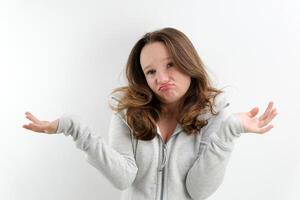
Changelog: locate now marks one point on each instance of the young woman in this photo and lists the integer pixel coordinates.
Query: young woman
(171, 134)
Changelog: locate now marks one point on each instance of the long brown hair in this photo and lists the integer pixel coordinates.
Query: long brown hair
(142, 107)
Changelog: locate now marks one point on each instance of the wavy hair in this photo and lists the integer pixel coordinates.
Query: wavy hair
(143, 109)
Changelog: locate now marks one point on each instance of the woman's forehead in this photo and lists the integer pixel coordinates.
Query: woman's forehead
(153, 53)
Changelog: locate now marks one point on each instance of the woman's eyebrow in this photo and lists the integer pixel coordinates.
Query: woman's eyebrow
(167, 58)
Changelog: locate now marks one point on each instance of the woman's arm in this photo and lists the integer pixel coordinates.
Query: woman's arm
(114, 160)
(208, 171)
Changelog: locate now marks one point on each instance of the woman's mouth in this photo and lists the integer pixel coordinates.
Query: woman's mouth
(165, 87)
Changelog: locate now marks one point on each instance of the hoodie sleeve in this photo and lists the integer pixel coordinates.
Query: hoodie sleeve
(207, 173)
(114, 160)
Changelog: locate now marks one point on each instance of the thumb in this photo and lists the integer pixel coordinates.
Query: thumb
(253, 112)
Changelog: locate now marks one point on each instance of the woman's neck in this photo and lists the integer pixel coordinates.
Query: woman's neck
(170, 112)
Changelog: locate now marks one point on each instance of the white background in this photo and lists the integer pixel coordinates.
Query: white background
(66, 56)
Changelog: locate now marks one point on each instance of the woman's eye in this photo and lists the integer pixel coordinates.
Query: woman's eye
(150, 72)
(170, 64)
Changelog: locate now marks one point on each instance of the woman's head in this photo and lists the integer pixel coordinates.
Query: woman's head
(165, 56)
(167, 81)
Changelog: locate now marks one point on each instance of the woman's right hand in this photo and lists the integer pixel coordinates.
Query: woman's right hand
(41, 126)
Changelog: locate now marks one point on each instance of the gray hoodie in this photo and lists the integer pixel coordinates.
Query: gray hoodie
(184, 168)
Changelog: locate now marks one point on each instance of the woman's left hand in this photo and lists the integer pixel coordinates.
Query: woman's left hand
(258, 125)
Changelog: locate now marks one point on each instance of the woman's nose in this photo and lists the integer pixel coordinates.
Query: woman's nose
(162, 77)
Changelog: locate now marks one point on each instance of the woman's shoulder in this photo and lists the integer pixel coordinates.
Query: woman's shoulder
(221, 106)
(114, 99)
(220, 103)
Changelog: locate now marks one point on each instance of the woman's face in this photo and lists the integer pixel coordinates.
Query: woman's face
(164, 78)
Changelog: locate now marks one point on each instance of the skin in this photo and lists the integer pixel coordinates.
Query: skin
(159, 72)
(159, 69)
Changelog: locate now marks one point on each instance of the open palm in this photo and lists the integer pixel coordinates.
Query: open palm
(258, 125)
(39, 126)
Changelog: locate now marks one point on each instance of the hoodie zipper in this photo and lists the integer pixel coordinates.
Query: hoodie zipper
(164, 154)
(164, 161)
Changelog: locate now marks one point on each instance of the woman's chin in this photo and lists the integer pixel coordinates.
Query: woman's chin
(169, 100)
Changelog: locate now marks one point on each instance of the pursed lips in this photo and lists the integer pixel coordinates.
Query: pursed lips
(165, 86)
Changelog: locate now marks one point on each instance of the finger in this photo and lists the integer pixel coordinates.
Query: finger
(253, 112)
(267, 111)
(269, 118)
(33, 127)
(266, 129)
(32, 117)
